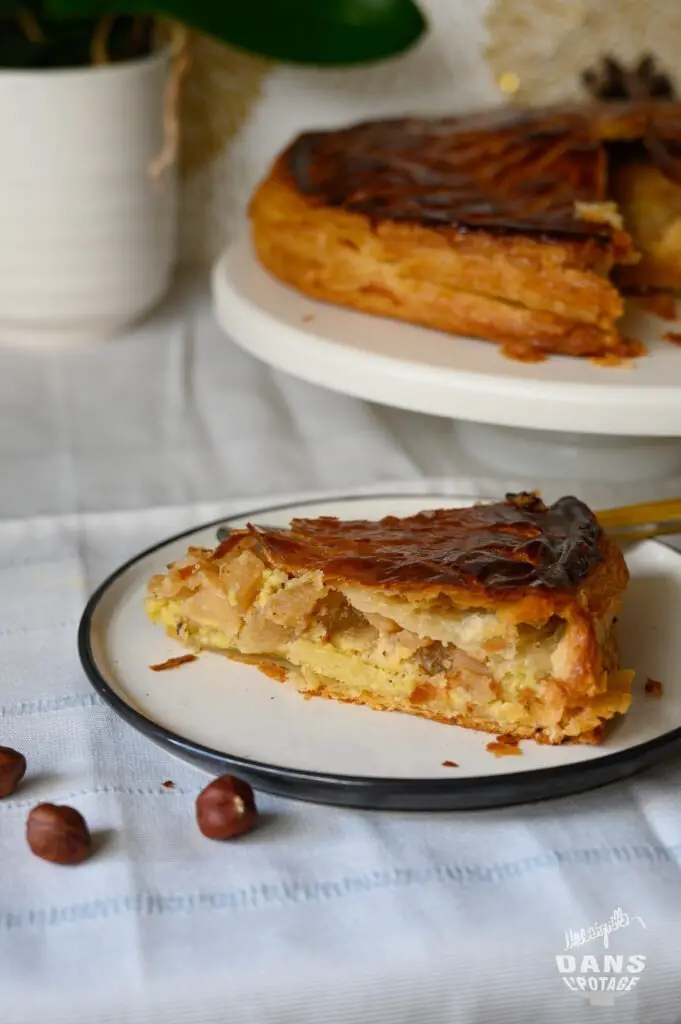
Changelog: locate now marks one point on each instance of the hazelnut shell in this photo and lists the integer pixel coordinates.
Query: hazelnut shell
(58, 834)
(226, 808)
(12, 770)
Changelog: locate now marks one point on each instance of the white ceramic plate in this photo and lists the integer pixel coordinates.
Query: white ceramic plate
(225, 716)
(428, 371)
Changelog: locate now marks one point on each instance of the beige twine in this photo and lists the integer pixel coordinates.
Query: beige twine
(179, 65)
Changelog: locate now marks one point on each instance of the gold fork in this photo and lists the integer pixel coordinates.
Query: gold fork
(639, 522)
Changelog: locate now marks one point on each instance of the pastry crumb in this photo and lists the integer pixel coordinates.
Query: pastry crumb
(523, 353)
(632, 348)
(308, 318)
(627, 350)
(273, 671)
(612, 359)
(450, 764)
(505, 746)
(183, 659)
(654, 687)
(168, 784)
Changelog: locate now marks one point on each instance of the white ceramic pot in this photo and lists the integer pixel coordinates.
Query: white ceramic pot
(87, 234)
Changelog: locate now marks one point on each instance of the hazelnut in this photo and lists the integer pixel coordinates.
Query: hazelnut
(12, 770)
(58, 834)
(226, 808)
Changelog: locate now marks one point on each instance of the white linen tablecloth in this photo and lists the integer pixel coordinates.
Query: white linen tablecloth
(323, 915)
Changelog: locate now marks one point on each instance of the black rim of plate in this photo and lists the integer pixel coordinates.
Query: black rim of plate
(367, 792)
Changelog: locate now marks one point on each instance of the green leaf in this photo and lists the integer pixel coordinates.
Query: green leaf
(321, 32)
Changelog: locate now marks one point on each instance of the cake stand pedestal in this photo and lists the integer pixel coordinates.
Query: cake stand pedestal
(563, 418)
(549, 454)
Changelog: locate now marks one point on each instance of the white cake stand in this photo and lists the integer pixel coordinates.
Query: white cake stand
(561, 418)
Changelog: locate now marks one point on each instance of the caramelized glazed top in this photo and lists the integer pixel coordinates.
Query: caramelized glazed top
(508, 170)
(516, 544)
